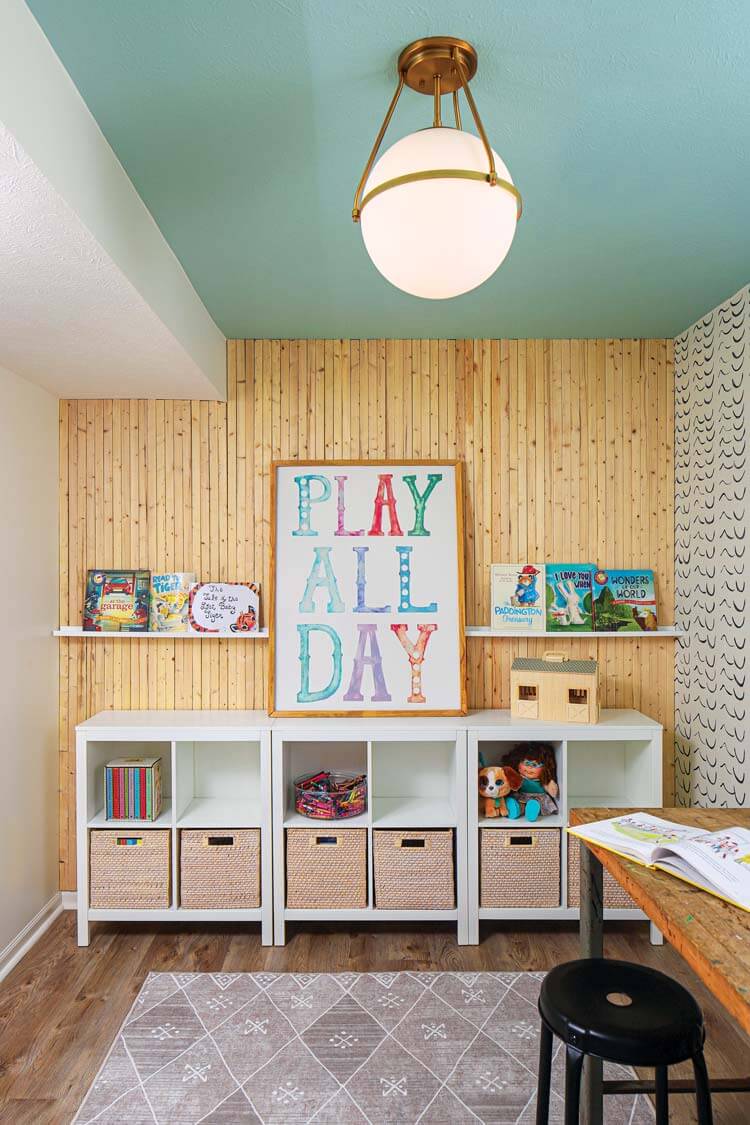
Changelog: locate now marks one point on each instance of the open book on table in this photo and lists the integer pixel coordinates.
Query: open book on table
(717, 862)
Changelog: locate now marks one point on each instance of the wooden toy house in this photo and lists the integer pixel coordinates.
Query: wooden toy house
(554, 689)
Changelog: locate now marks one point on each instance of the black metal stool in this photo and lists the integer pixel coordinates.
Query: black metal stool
(621, 1013)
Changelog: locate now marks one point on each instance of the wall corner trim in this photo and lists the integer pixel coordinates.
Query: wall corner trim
(30, 934)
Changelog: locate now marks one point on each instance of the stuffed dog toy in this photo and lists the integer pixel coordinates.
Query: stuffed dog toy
(495, 784)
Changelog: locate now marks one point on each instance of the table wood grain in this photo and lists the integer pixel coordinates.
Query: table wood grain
(711, 935)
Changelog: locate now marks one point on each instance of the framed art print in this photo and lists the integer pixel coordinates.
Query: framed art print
(367, 580)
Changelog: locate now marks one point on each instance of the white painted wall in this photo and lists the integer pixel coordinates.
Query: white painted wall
(28, 653)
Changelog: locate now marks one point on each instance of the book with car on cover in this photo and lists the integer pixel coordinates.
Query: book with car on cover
(517, 592)
(116, 601)
(624, 601)
(169, 602)
(568, 589)
(717, 862)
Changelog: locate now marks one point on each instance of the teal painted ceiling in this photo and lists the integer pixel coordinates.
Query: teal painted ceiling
(245, 126)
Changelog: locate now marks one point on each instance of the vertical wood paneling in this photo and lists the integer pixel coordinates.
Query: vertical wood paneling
(568, 447)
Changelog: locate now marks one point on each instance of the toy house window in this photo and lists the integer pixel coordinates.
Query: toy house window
(526, 691)
(578, 695)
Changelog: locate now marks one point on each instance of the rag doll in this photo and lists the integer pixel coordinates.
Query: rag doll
(537, 794)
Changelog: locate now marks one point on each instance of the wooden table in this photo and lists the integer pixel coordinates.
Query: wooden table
(712, 936)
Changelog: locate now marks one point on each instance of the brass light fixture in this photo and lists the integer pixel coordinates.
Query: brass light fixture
(438, 211)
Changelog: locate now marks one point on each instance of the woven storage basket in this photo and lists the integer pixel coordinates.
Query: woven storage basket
(519, 867)
(132, 874)
(615, 896)
(220, 869)
(326, 868)
(414, 870)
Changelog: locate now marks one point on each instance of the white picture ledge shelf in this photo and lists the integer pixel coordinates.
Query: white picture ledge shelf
(471, 631)
(78, 631)
(659, 633)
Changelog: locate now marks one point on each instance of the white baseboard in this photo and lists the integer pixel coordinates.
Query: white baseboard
(29, 935)
(69, 900)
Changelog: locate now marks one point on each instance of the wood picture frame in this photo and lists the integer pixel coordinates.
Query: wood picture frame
(383, 502)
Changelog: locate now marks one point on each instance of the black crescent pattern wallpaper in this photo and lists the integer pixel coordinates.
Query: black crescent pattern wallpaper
(712, 563)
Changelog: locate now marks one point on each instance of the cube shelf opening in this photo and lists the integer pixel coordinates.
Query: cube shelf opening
(217, 784)
(611, 774)
(305, 758)
(414, 784)
(493, 751)
(99, 753)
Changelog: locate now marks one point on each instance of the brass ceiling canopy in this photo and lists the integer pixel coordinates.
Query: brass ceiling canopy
(423, 59)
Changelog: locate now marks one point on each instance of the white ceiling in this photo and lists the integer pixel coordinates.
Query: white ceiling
(69, 318)
(93, 301)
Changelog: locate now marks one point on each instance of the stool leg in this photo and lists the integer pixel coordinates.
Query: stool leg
(702, 1090)
(662, 1096)
(573, 1067)
(545, 1076)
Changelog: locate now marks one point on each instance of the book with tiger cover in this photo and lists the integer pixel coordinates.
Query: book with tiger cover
(170, 594)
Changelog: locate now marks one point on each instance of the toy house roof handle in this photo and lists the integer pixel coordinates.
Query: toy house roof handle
(555, 657)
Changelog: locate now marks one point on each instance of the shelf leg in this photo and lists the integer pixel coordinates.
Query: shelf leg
(655, 936)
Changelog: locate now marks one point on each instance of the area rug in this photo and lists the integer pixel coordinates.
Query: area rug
(352, 1048)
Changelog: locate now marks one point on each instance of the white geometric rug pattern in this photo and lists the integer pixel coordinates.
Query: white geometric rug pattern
(332, 1048)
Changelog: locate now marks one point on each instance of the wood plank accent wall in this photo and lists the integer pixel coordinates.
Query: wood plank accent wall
(568, 447)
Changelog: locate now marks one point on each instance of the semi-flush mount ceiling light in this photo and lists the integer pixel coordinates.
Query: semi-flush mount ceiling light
(439, 209)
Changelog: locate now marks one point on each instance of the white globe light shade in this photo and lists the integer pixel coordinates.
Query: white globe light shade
(441, 237)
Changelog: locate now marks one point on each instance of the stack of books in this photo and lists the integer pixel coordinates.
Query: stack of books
(132, 789)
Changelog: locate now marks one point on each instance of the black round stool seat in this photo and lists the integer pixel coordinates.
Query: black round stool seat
(622, 1012)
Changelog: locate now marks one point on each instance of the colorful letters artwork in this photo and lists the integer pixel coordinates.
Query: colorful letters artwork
(367, 595)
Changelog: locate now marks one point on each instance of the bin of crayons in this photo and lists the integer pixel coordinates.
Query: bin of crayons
(330, 796)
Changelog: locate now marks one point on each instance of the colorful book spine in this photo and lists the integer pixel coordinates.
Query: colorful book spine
(133, 792)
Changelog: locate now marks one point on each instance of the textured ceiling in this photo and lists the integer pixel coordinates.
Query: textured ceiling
(69, 318)
(245, 125)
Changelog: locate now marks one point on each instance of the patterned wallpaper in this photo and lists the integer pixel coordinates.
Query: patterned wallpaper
(712, 556)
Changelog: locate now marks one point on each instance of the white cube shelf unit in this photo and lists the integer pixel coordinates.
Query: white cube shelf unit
(216, 774)
(615, 763)
(236, 769)
(416, 771)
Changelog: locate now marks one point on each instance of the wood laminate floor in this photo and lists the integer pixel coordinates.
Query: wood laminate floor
(61, 1006)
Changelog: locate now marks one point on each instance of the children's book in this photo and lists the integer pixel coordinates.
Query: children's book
(717, 862)
(517, 597)
(116, 601)
(169, 602)
(624, 601)
(224, 607)
(568, 589)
